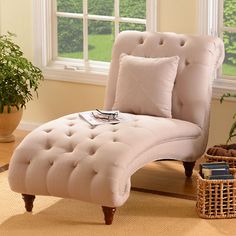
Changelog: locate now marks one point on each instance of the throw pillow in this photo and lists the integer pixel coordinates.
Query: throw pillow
(145, 85)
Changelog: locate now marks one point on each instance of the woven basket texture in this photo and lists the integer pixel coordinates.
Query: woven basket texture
(216, 198)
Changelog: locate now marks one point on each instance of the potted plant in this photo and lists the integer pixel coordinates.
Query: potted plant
(223, 152)
(18, 79)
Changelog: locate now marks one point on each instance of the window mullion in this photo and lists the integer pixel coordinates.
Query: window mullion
(117, 16)
(220, 18)
(48, 37)
(132, 20)
(103, 18)
(151, 19)
(70, 15)
(229, 29)
(54, 37)
(214, 17)
(85, 30)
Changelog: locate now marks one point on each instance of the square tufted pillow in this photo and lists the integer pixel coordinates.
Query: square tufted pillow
(145, 85)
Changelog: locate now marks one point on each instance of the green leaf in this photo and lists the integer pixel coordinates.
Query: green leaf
(232, 132)
(19, 78)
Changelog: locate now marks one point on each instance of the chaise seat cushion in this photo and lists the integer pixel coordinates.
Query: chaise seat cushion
(69, 158)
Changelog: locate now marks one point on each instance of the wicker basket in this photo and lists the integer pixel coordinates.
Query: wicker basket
(230, 160)
(216, 198)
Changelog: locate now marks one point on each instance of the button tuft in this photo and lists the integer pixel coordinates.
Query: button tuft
(187, 62)
(141, 40)
(47, 130)
(182, 43)
(69, 134)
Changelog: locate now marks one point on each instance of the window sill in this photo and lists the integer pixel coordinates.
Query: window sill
(221, 86)
(77, 74)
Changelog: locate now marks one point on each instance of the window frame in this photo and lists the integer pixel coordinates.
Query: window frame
(210, 15)
(72, 70)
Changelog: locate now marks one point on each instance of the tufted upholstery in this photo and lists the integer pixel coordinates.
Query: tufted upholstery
(199, 56)
(68, 158)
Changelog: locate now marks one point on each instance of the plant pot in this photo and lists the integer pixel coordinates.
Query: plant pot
(8, 123)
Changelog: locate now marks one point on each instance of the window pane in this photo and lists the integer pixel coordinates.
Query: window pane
(133, 8)
(100, 40)
(70, 37)
(132, 26)
(230, 13)
(101, 7)
(72, 6)
(229, 66)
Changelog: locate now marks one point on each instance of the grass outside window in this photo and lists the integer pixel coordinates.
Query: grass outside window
(99, 48)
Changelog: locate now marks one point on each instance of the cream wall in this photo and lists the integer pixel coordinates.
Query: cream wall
(179, 16)
(59, 98)
(221, 121)
(16, 17)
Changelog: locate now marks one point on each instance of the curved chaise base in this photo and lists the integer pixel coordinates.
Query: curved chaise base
(108, 212)
(68, 158)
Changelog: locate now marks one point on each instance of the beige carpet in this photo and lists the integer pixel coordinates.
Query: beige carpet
(143, 214)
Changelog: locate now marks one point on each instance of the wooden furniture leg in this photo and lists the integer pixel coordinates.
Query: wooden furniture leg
(28, 199)
(188, 166)
(108, 214)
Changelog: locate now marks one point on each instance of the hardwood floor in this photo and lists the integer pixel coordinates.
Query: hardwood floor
(161, 177)
(6, 149)
(166, 178)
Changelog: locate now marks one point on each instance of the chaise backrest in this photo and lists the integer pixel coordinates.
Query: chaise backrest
(199, 56)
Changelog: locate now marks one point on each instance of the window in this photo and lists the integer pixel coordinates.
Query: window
(218, 17)
(227, 30)
(76, 36)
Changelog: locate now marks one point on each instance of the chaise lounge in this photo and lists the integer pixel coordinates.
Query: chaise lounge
(163, 83)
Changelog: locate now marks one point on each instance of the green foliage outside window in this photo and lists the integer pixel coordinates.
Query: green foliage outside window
(70, 35)
(230, 13)
(72, 6)
(70, 31)
(104, 8)
(132, 9)
(230, 37)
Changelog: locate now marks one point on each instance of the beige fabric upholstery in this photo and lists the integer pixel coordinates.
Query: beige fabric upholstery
(68, 158)
(199, 57)
(145, 85)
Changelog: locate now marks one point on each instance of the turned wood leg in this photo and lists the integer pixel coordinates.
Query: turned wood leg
(188, 166)
(28, 199)
(108, 214)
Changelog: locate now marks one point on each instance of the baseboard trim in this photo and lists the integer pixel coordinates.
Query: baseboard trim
(28, 126)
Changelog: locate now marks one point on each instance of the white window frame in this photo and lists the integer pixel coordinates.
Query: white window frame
(73, 70)
(210, 15)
